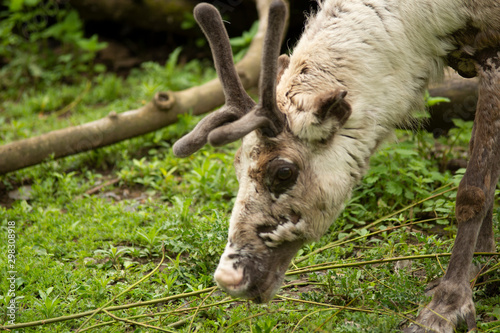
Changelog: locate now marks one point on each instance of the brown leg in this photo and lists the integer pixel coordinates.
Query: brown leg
(486, 240)
(452, 301)
(485, 243)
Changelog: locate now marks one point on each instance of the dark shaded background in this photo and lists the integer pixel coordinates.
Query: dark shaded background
(136, 34)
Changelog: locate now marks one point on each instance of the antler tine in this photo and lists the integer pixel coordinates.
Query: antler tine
(269, 69)
(210, 21)
(238, 103)
(266, 115)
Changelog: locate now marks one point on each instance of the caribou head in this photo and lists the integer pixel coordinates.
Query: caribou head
(288, 194)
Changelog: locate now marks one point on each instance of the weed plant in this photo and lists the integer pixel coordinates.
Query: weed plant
(80, 244)
(43, 42)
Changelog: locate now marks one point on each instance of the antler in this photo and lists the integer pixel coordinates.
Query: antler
(240, 115)
(238, 103)
(265, 115)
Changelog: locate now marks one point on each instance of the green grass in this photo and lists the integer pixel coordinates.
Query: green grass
(76, 251)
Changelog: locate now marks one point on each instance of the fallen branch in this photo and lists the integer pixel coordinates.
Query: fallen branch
(162, 111)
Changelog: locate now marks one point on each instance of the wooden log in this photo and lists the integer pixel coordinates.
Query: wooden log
(463, 94)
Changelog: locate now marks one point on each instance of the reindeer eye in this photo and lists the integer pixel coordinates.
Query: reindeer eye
(281, 176)
(284, 173)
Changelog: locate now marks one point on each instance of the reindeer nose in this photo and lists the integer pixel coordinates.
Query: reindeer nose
(227, 277)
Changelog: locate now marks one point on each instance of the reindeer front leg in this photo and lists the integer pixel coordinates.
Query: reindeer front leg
(452, 301)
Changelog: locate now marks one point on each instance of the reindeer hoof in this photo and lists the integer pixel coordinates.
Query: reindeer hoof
(452, 303)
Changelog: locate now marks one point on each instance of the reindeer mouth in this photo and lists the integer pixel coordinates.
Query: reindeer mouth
(256, 279)
(257, 286)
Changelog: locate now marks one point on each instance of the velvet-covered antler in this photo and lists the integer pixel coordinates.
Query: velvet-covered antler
(239, 116)
(238, 103)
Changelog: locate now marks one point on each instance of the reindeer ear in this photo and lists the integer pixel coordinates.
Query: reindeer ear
(332, 105)
(325, 115)
(283, 62)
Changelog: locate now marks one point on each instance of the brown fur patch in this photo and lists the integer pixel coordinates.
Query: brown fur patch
(262, 154)
(333, 104)
(283, 62)
(470, 44)
(470, 201)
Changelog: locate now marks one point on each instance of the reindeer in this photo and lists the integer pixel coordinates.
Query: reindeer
(359, 69)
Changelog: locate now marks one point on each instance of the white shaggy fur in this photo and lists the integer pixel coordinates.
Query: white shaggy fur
(284, 233)
(337, 50)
